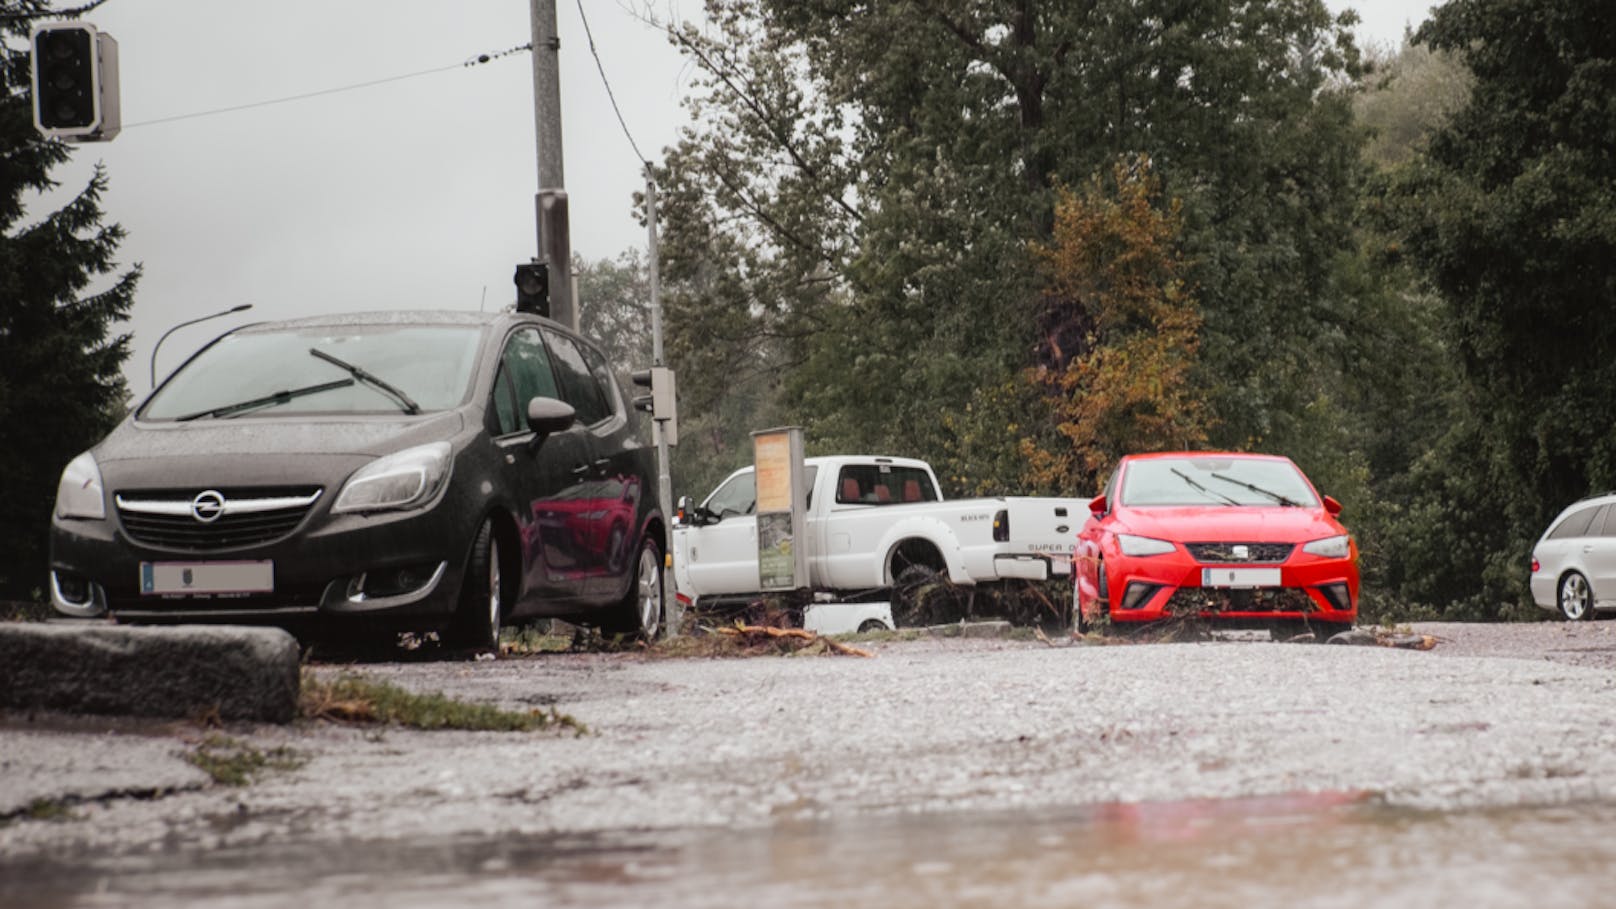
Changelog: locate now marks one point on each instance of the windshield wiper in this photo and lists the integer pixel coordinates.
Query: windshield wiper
(276, 397)
(1209, 493)
(404, 400)
(1283, 500)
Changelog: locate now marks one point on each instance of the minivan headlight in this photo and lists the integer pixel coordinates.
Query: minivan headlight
(79, 494)
(1330, 547)
(403, 480)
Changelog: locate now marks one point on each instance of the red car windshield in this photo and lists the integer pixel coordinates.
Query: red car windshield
(1244, 482)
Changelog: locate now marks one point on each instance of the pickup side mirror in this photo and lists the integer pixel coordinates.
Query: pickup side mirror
(1332, 506)
(688, 514)
(1098, 506)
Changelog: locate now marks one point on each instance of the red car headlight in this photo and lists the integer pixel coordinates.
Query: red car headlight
(1142, 546)
(1330, 547)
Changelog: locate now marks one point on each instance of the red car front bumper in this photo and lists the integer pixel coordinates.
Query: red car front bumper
(1157, 587)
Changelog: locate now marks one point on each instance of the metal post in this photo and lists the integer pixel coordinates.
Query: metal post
(664, 468)
(554, 242)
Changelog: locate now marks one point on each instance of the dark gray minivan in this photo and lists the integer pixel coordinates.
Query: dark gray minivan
(380, 471)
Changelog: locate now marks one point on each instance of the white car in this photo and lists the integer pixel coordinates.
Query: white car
(1574, 564)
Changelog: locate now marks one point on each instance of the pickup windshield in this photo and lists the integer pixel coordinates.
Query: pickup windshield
(367, 369)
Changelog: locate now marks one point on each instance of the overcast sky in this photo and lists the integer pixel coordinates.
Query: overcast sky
(416, 193)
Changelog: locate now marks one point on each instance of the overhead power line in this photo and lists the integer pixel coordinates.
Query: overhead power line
(472, 61)
(604, 81)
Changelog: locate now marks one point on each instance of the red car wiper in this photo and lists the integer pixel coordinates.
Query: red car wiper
(1209, 493)
(1283, 500)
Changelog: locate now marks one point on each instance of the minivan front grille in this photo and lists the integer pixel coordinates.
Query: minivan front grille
(213, 519)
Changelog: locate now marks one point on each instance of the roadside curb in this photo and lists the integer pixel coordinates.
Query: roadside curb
(990, 629)
(226, 672)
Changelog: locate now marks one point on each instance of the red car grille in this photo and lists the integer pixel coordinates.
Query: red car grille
(1196, 600)
(1236, 553)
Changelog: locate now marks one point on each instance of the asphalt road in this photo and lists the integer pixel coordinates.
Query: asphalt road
(925, 734)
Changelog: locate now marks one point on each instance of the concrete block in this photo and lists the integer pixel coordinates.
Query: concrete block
(177, 671)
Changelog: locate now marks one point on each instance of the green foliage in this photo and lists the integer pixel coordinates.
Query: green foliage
(1509, 218)
(1411, 93)
(61, 387)
(855, 203)
(232, 762)
(354, 698)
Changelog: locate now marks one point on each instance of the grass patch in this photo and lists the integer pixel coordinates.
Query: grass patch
(232, 762)
(355, 699)
(529, 640)
(35, 610)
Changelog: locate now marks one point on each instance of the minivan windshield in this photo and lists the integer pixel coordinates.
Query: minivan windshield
(283, 373)
(1215, 480)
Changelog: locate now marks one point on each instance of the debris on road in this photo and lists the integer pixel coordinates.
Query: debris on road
(765, 635)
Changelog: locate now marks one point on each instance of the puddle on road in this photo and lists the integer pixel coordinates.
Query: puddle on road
(1324, 850)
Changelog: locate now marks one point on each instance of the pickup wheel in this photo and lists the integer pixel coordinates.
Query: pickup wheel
(922, 595)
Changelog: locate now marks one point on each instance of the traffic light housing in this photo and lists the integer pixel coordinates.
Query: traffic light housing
(662, 401)
(533, 288)
(74, 69)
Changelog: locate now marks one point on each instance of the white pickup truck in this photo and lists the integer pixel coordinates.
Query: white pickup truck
(873, 522)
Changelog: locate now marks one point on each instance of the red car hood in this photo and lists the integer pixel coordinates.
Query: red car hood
(1233, 524)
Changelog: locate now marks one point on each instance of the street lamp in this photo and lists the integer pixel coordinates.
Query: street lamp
(242, 308)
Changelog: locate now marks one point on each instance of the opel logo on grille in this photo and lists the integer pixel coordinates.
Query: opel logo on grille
(207, 506)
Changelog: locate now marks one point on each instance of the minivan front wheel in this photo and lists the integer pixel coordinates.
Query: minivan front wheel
(479, 612)
(1576, 598)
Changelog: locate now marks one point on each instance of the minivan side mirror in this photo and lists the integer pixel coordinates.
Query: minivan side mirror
(547, 416)
(1332, 506)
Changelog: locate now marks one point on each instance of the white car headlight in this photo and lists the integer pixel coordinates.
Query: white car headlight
(1142, 546)
(403, 480)
(79, 494)
(1330, 547)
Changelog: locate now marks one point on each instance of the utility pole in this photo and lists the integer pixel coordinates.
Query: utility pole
(659, 428)
(550, 205)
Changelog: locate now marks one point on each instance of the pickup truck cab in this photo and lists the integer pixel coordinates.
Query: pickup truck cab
(873, 522)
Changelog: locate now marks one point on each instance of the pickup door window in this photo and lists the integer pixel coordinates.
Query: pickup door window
(723, 555)
(884, 484)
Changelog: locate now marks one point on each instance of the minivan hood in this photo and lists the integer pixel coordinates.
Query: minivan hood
(1232, 524)
(227, 454)
(361, 436)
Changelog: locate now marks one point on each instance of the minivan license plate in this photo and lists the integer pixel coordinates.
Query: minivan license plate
(207, 577)
(1240, 577)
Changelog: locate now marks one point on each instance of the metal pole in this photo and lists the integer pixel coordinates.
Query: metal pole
(664, 468)
(153, 366)
(551, 213)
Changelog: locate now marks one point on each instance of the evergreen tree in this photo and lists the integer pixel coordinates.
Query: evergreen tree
(61, 298)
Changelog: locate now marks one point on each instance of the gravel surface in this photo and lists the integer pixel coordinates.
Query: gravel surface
(1493, 716)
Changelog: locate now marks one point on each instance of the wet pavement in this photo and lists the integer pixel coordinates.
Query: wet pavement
(1223, 773)
(1315, 850)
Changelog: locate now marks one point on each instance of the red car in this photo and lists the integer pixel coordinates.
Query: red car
(1241, 539)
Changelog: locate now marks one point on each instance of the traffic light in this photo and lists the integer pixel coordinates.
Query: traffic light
(533, 288)
(75, 81)
(661, 403)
